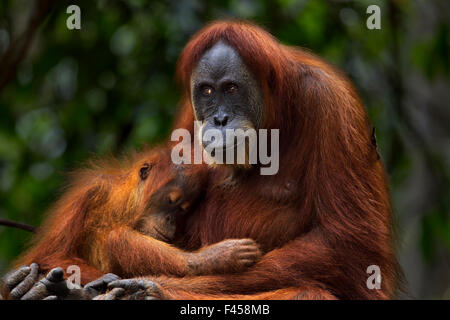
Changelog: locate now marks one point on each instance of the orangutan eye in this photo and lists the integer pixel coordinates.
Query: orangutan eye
(231, 88)
(207, 91)
(144, 171)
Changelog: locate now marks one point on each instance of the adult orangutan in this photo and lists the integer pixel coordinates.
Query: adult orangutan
(324, 218)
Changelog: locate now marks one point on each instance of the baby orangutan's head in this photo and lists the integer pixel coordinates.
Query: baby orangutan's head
(169, 193)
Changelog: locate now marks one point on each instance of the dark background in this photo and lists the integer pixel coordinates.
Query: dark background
(109, 87)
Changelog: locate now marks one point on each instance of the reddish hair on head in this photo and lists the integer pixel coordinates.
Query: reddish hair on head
(260, 51)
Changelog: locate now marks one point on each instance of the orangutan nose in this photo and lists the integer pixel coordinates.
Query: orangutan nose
(185, 206)
(221, 119)
(175, 195)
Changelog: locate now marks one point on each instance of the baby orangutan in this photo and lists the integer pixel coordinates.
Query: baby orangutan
(143, 249)
(121, 219)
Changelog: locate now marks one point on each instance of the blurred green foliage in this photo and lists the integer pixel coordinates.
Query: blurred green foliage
(108, 88)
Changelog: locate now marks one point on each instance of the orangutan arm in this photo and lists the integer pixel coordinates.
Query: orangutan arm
(132, 254)
(307, 264)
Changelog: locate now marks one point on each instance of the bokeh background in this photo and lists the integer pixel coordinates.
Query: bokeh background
(109, 87)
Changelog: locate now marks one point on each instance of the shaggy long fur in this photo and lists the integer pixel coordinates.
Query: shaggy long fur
(336, 220)
(322, 220)
(101, 203)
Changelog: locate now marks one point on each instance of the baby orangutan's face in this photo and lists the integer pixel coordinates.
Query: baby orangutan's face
(166, 202)
(165, 207)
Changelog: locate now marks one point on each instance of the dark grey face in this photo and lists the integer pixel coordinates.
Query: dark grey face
(225, 94)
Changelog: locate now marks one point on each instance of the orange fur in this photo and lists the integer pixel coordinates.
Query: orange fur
(319, 235)
(106, 222)
(336, 220)
(106, 197)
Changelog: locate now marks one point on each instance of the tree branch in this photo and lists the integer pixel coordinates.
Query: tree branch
(19, 47)
(18, 225)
